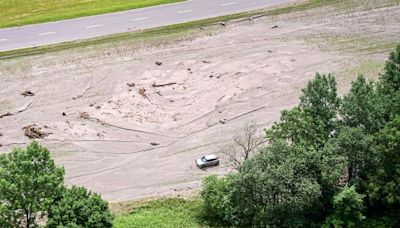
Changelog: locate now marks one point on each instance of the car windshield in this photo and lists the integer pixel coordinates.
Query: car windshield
(204, 159)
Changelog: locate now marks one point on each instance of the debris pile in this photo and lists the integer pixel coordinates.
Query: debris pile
(33, 131)
(84, 115)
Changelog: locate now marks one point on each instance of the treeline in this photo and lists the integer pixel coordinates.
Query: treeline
(32, 193)
(330, 161)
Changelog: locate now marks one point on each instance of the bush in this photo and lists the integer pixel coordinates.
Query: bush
(79, 208)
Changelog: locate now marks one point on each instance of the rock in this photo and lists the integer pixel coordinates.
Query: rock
(64, 114)
(158, 63)
(274, 27)
(222, 23)
(223, 121)
(154, 144)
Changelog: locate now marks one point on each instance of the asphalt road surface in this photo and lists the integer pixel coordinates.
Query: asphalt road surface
(130, 20)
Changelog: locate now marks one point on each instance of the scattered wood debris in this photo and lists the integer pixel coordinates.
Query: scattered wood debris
(28, 93)
(206, 61)
(158, 63)
(162, 85)
(142, 92)
(223, 121)
(98, 107)
(131, 84)
(154, 144)
(17, 111)
(33, 131)
(84, 115)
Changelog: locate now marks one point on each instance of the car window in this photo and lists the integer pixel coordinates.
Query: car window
(203, 159)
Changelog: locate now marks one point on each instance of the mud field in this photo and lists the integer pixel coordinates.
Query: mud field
(128, 120)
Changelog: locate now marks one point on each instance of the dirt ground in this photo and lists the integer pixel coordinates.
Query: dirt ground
(129, 128)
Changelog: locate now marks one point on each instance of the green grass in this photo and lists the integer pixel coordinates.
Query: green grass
(24, 12)
(169, 212)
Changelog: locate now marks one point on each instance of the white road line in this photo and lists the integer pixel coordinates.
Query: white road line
(46, 33)
(93, 26)
(3, 40)
(185, 11)
(139, 19)
(229, 4)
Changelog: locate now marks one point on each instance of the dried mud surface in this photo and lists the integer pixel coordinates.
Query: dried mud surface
(128, 128)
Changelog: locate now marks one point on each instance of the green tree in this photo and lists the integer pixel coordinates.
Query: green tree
(313, 122)
(275, 188)
(384, 181)
(79, 208)
(29, 184)
(361, 107)
(320, 102)
(389, 86)
(355, 145)
(215, 195)
(347, 209)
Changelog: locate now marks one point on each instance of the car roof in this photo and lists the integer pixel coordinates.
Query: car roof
(211, 157)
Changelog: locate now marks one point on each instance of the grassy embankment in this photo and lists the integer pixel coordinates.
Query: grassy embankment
(171, 212)
(23, 12)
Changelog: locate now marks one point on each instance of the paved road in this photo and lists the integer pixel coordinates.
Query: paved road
(100, 25)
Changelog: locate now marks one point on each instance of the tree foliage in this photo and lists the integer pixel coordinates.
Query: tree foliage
(32, 186)
(29, 183)
(347, 209)
(330, 161)
(79, 208)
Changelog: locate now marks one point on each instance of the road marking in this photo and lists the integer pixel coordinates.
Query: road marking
(93, 26)
(139, 19)
(3, 40)
(185, 11)
(229, 4)
(46, 33)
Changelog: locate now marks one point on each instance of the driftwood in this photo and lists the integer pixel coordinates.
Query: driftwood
(142, 92)
(28, 93)
(131, 84)
(34, 132)
(162, 85)
(17, 111)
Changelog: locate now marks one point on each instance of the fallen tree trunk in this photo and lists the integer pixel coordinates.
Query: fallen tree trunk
(23, 108)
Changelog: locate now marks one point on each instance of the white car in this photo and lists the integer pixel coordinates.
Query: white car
(208, 160)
